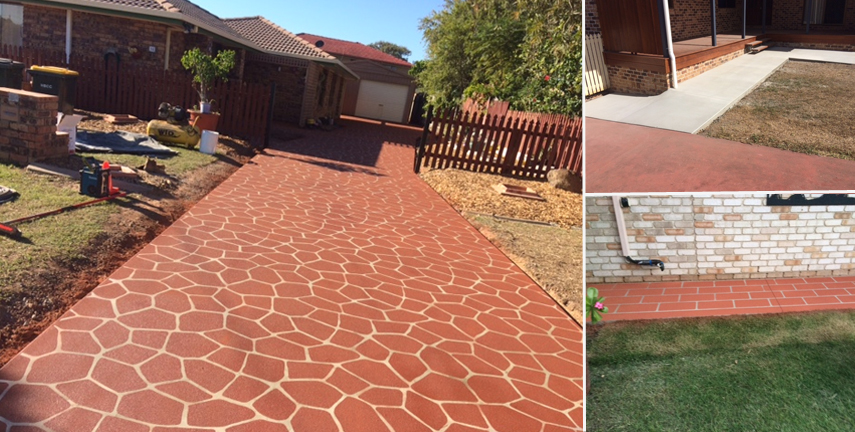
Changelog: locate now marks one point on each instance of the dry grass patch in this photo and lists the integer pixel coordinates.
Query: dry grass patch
(806, 107)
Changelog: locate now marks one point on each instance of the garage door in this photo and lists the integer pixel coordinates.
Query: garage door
(382, 101)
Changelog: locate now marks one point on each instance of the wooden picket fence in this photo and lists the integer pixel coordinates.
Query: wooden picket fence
(522, 145)
(125, 89)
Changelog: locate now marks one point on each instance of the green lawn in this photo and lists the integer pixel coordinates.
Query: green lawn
(185, 161)
(60, 236)
(760, 373)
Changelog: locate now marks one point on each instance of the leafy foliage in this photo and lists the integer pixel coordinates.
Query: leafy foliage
(394, 50)
(594, 307)
(527, 52)
(206, 68)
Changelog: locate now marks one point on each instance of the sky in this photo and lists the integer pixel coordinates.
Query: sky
(364, 21)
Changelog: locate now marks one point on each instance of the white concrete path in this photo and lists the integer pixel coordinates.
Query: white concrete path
(699, 101)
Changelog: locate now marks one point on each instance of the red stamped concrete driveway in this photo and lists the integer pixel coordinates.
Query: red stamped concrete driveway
(624, 158)
(657, 300)
(309, 294)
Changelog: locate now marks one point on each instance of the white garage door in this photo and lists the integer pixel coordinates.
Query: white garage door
(381, 101)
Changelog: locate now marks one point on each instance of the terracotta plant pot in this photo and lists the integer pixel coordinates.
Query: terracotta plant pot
(204, 121)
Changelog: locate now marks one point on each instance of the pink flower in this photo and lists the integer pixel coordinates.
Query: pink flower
(598, 306)
(547, 78)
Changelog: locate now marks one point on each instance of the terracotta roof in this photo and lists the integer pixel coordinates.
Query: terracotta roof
(270, 36)
(353, 49)
(145, 4)
(192, 10)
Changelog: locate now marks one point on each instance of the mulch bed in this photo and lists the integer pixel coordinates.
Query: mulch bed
(473, 192)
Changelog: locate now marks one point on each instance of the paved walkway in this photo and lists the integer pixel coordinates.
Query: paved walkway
(626, 158)
(634, 301)
(699, 101)
(309, 294)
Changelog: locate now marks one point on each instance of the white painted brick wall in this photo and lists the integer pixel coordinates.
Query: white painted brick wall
(719, 236)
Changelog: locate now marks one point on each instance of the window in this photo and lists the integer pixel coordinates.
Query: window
(12, 24)
(724, 4)
(825, 11)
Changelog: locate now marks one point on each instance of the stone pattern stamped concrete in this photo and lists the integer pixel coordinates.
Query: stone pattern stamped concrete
(309, 294)
(633, 301)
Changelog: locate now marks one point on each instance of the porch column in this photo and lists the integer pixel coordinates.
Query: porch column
(712, 13)
(808, 8)
(744, 10)
(764, 17)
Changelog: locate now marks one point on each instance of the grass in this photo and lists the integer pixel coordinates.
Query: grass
(761, 373)
(60, 236)
(804, 107)
(184, 162)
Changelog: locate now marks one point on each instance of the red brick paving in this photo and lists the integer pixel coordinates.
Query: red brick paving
(309, 294)
(632, 301)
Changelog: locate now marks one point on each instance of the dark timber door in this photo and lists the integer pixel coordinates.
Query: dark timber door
(754, 13)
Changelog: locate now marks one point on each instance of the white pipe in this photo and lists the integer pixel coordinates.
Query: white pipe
(168, 48)
(671, 56)
(68, 36)
(621, 225)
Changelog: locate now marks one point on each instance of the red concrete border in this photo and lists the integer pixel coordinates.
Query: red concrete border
(621, 157)
(658, 300)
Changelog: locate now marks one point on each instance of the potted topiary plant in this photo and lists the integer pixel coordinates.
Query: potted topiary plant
(206, 69)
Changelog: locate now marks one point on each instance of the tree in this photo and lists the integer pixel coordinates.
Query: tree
(526, 52)
(392, 49)
(206, 69)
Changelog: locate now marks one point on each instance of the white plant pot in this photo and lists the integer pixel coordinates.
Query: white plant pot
(205, 107)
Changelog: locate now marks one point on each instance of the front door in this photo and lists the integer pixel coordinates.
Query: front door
(754, 12)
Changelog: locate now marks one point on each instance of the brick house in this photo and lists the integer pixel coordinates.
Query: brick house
(385, 89)
(636, 41)
(153, 34)
(720, 237)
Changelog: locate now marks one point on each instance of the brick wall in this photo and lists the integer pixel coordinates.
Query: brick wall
(692, 19)
(697, 69)
(821, 46)
(94, 35)
(632, 81)
(28, 127)
(708, 237)
(290, 82)
(592, 19)
(310, 98)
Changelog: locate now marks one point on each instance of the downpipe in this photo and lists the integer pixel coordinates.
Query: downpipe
(671, 57)
(624, 244)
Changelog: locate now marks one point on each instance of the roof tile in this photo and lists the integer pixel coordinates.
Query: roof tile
(270, 36)
(353, 49)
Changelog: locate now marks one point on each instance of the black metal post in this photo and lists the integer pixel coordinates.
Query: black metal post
(808, 15)
(662, 28)
(712, 12)
(764, 17)
(422, 142)
(744, 10)
(270, 107)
